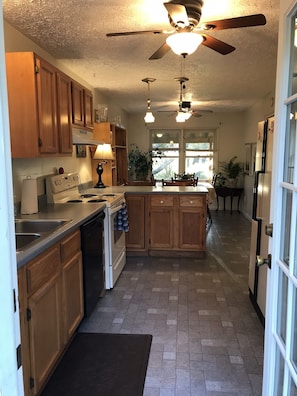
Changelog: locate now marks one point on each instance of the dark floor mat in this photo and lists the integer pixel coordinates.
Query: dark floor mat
(102, 364)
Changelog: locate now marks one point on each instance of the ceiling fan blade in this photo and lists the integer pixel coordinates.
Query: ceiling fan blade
(160, 52)
(217, 45)
(177, 13)
(137, 32)
(239, 22)
(196, 114)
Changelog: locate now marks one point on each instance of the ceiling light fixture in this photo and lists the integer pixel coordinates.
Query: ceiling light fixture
(183, 107)
(184, 43)
(180, 117)
(149, 117)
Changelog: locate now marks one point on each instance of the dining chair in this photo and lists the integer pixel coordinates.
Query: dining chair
(173, 182)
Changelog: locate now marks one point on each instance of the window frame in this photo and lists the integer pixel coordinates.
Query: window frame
(182, 146)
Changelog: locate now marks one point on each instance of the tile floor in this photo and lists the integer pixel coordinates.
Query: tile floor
(207, 338)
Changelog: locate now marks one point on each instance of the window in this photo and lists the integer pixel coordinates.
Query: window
(183, 151)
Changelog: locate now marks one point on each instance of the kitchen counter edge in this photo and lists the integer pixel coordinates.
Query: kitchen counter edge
(57, 211)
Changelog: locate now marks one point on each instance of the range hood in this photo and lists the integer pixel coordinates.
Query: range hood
(83, 137)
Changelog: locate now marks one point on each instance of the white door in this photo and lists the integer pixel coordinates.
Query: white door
(280, 357)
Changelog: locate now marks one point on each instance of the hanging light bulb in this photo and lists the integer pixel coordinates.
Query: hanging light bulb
(180, 117)
(149, 117)
(184, 43)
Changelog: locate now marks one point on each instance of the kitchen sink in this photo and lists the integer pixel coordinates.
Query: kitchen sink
(38, 226)
(24, 240)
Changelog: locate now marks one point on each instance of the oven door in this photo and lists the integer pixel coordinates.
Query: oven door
(115, 254)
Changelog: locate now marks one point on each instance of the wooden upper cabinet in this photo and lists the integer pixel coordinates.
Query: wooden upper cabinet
(88, 102)
(77, 93)
(82, 106)
(39, 127)
(47, 106)
(64, 112)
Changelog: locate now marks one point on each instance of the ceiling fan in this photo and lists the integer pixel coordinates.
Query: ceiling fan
(184, 111)
(184, 16)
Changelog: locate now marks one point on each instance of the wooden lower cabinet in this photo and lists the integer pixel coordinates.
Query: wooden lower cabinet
(136, 237)
(72, 297)
(162, 216)
(166, 224)
(51, 307)
(45, 331)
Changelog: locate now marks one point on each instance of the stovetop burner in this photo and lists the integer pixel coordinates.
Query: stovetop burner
(74, 200)
(97, 200)
(88, 195)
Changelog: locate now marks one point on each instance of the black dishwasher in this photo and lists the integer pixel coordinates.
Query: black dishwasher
(93, 263)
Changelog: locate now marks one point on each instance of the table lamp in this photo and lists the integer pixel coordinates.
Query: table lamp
(102, 153)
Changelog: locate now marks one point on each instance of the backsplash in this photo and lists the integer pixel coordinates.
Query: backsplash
(39, 168)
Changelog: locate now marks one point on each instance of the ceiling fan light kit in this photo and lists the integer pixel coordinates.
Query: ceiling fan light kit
(180, 117)
(184, 16)
(185, 43)
(149, 117)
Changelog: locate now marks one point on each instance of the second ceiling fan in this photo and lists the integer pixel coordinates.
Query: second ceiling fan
(184, 16)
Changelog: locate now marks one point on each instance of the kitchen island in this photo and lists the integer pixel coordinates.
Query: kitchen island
(165, 221)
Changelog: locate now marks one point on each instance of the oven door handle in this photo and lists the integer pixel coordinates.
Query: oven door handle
(116, 209)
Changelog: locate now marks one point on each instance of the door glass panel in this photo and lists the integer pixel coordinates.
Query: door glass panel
(293, 85)
(292, 388)
(294, 333)
(282, 304)
(290, 146)
(279, 374)
(286, 225)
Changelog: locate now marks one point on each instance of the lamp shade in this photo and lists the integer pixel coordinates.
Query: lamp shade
(180, 117)
(184, 43)
(149, 117)
(103, 152)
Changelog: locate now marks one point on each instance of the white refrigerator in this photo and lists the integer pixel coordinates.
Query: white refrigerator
(260, 215)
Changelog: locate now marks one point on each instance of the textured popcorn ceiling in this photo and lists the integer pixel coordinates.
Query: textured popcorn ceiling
(74, 32)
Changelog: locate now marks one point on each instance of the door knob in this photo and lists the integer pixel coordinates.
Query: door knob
(261, 261)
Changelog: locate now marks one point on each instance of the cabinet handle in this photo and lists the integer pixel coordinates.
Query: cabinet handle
(191, 202)
(161, 202)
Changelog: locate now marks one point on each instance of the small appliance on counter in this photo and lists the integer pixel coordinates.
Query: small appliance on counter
(29, 202)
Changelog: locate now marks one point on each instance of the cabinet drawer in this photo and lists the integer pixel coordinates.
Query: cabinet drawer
(70, 245)
(162, 200)
(43, 269)
(191, 201)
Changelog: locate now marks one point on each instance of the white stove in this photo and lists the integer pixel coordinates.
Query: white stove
(64, 189)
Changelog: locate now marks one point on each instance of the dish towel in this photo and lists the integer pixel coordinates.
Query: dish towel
(121, 222)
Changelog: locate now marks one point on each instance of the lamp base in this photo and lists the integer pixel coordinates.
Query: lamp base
(98, 185)
(99, 170)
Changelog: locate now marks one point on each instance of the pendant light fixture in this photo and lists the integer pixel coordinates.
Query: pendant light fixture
(182, 115)
(149, 117)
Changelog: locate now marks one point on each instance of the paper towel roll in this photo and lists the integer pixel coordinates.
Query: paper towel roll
(29, 202)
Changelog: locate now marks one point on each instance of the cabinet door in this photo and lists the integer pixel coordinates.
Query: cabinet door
(192, 226)
(135, 238)
(47, 107)
(72, 295)
(88, 109)
(161, 222)
(77, 94)
(44, 330)
(64, 113)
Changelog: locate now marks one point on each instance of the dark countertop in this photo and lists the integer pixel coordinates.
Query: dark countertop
(57, 211)
(78, 217)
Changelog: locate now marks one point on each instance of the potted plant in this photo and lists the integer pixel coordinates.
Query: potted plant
(231, 171)
(139, 163)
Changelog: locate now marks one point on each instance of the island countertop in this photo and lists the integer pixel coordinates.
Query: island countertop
(150, 190)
